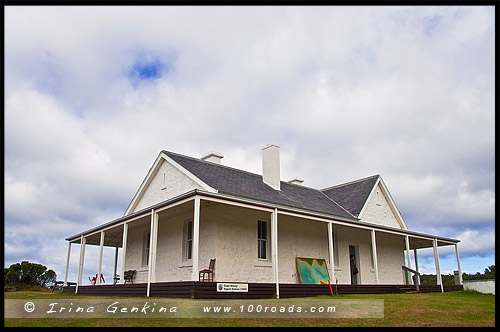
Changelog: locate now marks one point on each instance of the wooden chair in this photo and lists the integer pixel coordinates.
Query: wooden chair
(208, 273)
(129, 276)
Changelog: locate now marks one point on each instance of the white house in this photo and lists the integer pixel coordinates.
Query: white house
(188, 211)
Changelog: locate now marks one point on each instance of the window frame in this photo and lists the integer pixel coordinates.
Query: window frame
(146, 245)
(372, 263)
(187, 241)
(164, 181)
(263, 225)
(335, 248)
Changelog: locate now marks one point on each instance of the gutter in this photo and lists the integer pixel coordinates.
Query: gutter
(350, 221)
(144, 212)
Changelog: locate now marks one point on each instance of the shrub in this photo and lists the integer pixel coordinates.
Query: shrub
(29, 274)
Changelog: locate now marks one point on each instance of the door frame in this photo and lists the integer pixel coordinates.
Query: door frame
(355, 249)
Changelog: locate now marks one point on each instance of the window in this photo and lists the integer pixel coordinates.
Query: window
(188, 240)
(164, 185)
(145, 249)
(372, 265)
(262, 240)
(335, 248)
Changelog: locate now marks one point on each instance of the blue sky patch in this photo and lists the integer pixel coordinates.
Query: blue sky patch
(149, 69)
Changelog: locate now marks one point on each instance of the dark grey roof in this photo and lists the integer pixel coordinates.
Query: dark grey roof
(352, 195)
(236, 182)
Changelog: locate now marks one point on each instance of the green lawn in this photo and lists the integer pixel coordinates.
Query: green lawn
(454, 309)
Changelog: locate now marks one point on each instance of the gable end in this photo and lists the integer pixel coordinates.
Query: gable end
(380, 208)
(164, 180)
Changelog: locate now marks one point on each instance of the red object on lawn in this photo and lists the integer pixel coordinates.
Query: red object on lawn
(331, 291)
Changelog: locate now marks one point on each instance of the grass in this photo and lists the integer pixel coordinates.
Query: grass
(452, 309)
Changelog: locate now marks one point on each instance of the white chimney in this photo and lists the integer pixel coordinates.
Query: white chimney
(271, 165)
(296, 180)
(213, 157)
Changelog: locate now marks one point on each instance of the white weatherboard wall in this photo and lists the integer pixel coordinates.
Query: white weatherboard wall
(299, 238)
(354, 237)
(483, 286)
(170, 263)
(133, 257)
(177, 183)
(229, 234)
(378, 211)
(236, 244)
(237, 248)
(390, 256)
(208, 236)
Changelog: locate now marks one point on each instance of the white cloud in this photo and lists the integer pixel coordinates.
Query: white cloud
(476, 242)
(347, 92)
(11, 250)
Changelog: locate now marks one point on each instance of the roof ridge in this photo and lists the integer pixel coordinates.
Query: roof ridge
(211, 163)
(293, 195)
(350, 182)
(235, 169)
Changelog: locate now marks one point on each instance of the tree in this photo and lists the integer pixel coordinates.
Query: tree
(448, 279)
(489, 273)
(29, 274)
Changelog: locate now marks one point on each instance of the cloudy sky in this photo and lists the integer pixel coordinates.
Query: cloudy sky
(93, 94)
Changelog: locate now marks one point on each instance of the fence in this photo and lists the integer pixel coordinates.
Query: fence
(486, 286)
